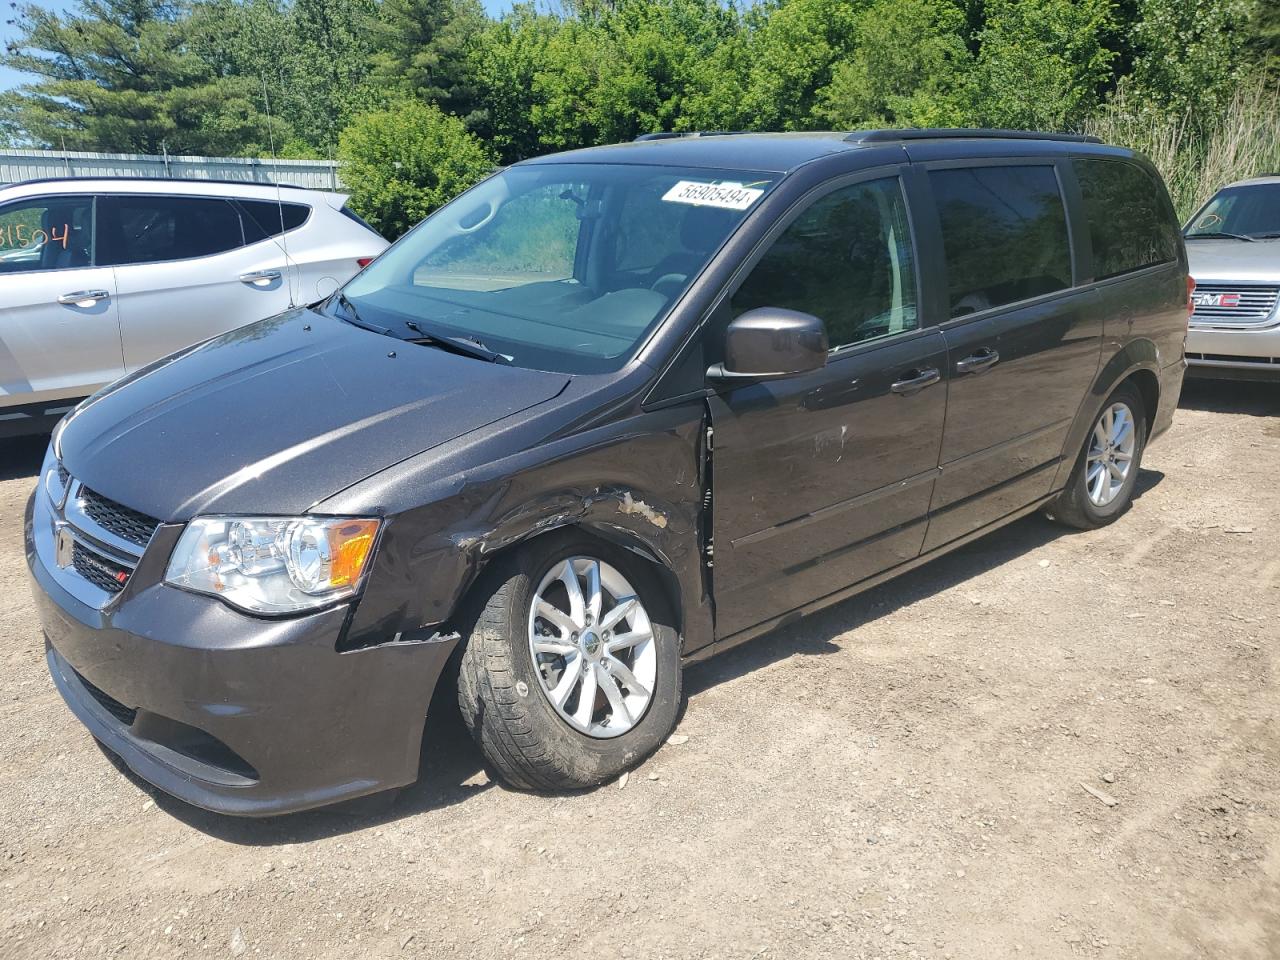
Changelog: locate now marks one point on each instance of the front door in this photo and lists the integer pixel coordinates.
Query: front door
(184, 271)
(1023, 343)
(59, 336)
(823, 479)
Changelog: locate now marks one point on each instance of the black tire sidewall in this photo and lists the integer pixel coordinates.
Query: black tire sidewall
(590, 760)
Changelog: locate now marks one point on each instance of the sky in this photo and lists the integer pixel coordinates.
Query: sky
(10, 79)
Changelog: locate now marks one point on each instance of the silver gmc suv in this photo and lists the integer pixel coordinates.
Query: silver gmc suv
(1233, 244)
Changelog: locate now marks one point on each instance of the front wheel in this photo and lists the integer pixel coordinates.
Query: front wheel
(571, 673)
(1101, 484)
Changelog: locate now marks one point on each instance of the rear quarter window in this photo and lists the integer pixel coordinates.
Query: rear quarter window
(1131, 224)
(1004, 234)
(266, 218)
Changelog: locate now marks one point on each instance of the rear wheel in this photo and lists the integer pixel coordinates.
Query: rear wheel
(571, 673)
(1101, 484)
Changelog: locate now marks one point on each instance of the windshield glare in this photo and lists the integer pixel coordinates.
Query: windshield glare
(560, 267)
(1252, 211)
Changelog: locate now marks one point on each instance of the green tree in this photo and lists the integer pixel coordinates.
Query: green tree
(1041, 64)
(908, 65)
(308, 60)
(427, 49)
(1188, 52)
(403, 162)
(119, 75)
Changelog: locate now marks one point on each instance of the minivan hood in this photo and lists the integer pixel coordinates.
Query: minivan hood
(278, 415)
(1213, 261)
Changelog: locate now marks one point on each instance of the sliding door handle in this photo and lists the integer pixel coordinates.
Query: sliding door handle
(83, 298)
(915, 380)
(980, 362)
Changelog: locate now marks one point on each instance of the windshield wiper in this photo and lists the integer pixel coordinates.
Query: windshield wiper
(1266, 236)
(353, 316)
(1218, 233)
(464, 345)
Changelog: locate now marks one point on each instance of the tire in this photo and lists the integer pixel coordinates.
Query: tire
(1080, 505)
(505, 690)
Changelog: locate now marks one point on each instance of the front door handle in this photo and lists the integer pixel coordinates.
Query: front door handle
(980, 362)
(83, 298)
(260, 276)
(915, 380)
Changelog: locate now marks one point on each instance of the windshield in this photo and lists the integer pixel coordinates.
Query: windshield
(560, 267)
(1251, 212)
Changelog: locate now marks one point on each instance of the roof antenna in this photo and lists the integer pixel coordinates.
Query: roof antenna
(275, 166)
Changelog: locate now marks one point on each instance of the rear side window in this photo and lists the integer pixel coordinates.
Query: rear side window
(265, 218)
(48, 233)
(1004, 234)
(146, 229)
(1130, 224)
(847, 260)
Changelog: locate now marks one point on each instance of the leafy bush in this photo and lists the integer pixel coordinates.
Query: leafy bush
(404, 162)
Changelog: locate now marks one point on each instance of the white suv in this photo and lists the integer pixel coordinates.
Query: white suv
(101, 276)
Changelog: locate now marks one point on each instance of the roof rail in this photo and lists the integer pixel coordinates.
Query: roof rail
(682, 134)
(962, 133)
(127, 179)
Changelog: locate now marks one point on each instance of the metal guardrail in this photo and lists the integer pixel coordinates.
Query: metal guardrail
(18, 165)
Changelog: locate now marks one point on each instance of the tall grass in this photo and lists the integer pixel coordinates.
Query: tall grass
(1201, 150)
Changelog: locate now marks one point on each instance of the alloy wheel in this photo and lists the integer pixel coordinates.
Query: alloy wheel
(1111, 450)
(592, 645)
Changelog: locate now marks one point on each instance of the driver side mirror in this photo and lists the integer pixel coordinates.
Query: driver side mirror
(770, 342)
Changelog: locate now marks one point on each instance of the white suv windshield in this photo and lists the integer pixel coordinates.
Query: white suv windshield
(1251, 212)
(557, 266)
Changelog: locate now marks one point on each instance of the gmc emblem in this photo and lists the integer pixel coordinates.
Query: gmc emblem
(1230, 300)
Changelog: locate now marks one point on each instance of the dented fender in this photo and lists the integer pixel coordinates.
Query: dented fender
(638, 482)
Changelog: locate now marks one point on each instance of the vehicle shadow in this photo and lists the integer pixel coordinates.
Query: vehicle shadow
(22, 456)
(816, 633)
(452, 769)
(1257, 399)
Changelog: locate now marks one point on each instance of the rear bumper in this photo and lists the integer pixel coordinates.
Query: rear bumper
(232, 713)
(1248, 354)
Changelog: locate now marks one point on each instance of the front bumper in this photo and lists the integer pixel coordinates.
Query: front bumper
(1234, 353)
(228, 712)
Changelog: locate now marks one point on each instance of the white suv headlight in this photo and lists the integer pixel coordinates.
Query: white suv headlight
(273, 565)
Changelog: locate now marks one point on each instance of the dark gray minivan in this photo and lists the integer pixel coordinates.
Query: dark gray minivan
(607, 413)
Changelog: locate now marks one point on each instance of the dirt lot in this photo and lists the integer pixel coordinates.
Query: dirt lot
(900, 776)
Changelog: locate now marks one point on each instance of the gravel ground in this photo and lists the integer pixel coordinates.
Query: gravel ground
(903, 775)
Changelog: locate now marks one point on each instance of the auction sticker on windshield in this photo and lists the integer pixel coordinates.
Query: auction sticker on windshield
(725, 194)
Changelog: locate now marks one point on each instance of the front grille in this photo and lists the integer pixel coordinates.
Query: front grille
(125, 715)
(126, 524)
(102, 572)
(1245, 305)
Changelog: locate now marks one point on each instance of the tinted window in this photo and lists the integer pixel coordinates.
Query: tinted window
(1004, 233)
(847, 260)
(50, 233)
(146, 229)
(264, 217)
(1130, 224)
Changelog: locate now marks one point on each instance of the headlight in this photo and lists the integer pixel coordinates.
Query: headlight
(273, 564)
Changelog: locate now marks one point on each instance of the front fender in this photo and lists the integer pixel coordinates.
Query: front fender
(637, 482)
